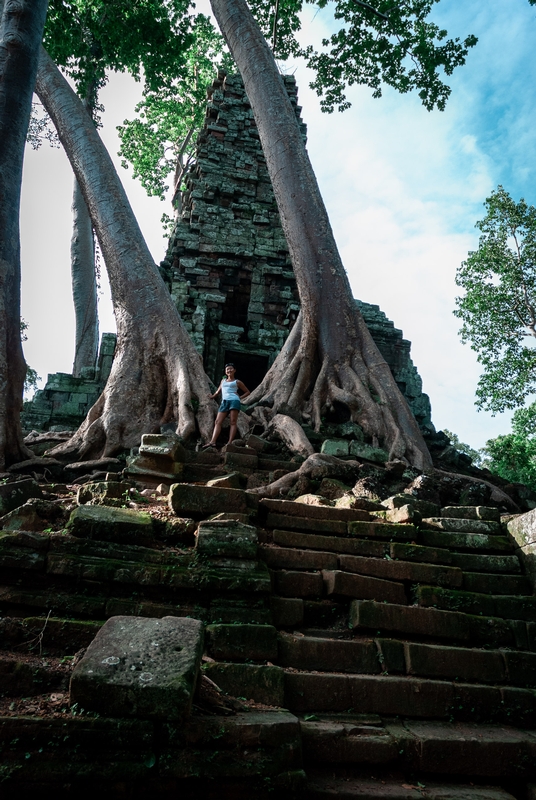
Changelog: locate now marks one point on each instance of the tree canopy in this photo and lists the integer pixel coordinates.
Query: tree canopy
(498, 309)
(513, 455)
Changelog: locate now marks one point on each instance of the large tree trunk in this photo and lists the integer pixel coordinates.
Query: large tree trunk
(157, 375)
(21, 31)
(330, 357)
(84, 285)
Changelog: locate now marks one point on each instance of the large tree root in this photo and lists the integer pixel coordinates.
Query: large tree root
(316, 467)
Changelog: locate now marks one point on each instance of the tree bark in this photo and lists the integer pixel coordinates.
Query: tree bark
(157, 375)
(21, 31)
(330, 356)
(84, 285)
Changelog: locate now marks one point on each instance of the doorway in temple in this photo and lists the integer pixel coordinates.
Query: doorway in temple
(250, 369)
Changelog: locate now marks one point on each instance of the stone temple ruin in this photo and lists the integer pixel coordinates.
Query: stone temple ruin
(176, 624)
(229, 271)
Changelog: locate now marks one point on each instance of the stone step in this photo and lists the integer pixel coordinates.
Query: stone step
(446, 748)
(408, 697)
(496, 584)
(503, 606)
(366, 788)
(457, 525)
(477, 562)
(485, 542)
(362, 547)
(345, 584)
(438, 624)
(363, 655)
(290, 508)
(32, 674)
(471, 512)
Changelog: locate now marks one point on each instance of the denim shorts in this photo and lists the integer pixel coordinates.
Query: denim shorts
(229, 405)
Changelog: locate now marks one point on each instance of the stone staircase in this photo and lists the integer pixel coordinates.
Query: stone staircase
(377, 659)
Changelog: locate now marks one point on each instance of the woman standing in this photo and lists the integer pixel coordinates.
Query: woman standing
(230, 404)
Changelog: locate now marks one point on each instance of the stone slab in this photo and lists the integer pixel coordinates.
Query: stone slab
(287, 612)
(328, 655)
(456, 663)
(420, 553)
(322, 526)
(285, 558)
(369, 789)
(187, 500)
(476, 562)
(382, 530)
(242, 642)
(363, 587)
(140, 667)
(503, 606)
(456, 525)
(491, 543)
(290, 508)
(334, 544)
(470, 512)
(122, 525)
(289, 583)
(13, 495)
(252, 682)
(402, 570)
(226, 538)
(496, 584)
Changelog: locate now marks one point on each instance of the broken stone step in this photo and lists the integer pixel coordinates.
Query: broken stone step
(123, 525)
(249, 681)
(292, 509)
(337, 582)
(490, 543)
(32, 674)
(477, 562)
(432, 622)
(242, 642)
(456, 525)
(382, 530)
(288, 583)
(430, 747)
(140, 667)
(408, 697)
(187, 500)
(285, 558)
(496, 584)
(402, 570)
(322, 788)
(328, 654)
(504, 606)
(362, 547)
(472, 512)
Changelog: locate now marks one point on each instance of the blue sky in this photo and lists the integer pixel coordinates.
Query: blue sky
(404, 188)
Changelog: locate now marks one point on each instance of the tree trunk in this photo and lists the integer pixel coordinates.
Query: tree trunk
(84, 285)
(21, 31)
(157, 375)
(330, 356)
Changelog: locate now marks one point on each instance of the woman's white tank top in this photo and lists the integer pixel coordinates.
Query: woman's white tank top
(229, 390)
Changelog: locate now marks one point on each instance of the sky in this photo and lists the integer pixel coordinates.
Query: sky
(403, 188)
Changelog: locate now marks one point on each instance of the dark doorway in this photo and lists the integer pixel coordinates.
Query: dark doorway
(250, 369)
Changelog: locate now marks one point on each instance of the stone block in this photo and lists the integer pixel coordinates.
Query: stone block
(465, 541)
(402, 570)
(363, 587)
(335, 447)
(391, 655)
(227, 539)
(456, 663)
(140, 667)
(13, 495)
(241, 460)
(287, 612)
(424, 507)
(521, 668)
(420, 553)
(298, 584)
(306, 523)
(256, 443)
(231, 481)
(291, 509)
(249, 681)
(369, 453)
(457, 525)
(409, 620)
(334, 544)
(496, 584)
(122, 525)
(328, 655)
(242, 642)
(187, 500)
(285, 558)
(475, 562)
(470, 512)
(103, 493)
(381, 530)
(333, 489)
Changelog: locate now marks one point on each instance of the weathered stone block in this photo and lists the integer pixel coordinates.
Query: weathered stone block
(106, 524)
(201, 501)
(242, 642)
(260, 684)
(402, 570)
(457, 525)
(328, 655)
(436, 661)
(226, 538)
(231, 481)
(286, 558)
(381, 530)
(335, 447)
(241, 460)
(419, 553)
(287, 612)
(369, 453)
(292, 509)
(13, 495)
(359, 586)
(298, 584)
(465, 541)
(103, 493)
(424, 507)
(470, 512)
(140, 667)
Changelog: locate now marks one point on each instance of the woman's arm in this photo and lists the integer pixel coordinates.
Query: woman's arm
(244, 389)
(216, 393)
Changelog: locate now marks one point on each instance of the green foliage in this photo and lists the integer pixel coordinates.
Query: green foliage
(30, 381)
(41, 129)
(498, 310)
(378, 43)
(466, 449)
(165, 132)
(513, 456)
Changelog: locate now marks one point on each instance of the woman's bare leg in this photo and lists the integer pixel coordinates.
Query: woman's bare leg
(233, 420)
(217, 425)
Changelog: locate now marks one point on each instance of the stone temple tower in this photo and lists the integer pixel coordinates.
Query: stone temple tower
(228, 265)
